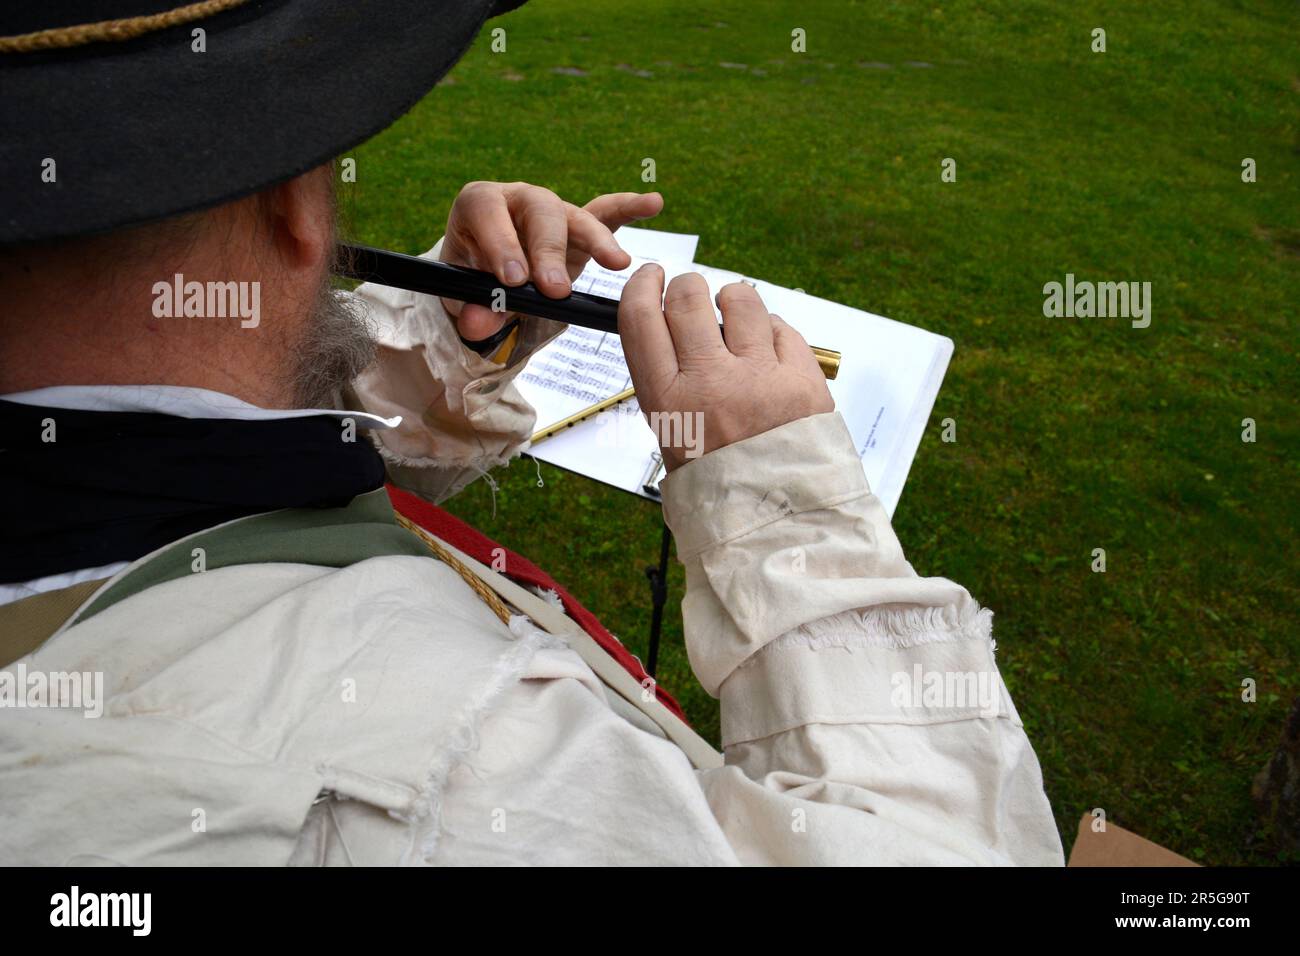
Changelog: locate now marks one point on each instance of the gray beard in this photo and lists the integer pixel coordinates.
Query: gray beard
(339, 345)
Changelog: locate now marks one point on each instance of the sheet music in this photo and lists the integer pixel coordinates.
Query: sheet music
(888, 380)
(583, 367)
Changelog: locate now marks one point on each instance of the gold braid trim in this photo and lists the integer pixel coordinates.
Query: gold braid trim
(488, 596)
(112, 31)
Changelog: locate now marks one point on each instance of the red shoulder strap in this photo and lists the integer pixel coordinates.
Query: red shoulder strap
(522, 571)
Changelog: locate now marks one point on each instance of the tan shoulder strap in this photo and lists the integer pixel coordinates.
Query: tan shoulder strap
(25, 624)
(554, 621)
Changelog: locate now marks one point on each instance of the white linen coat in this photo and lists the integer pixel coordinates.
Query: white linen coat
(381, 714)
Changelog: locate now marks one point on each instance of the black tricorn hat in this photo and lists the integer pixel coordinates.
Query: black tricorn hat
(111, 116)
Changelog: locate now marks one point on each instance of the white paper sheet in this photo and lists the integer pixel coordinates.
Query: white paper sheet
(889, 377)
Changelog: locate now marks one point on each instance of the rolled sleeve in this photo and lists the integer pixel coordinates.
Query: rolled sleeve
(856, 695)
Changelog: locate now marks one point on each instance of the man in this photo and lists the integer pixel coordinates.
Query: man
(287, 672)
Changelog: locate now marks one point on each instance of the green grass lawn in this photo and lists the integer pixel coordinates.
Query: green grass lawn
(821, 170)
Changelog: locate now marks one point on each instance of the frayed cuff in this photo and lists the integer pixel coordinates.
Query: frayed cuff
(882, 665)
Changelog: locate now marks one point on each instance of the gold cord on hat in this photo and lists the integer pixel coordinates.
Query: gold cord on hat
(111, 31)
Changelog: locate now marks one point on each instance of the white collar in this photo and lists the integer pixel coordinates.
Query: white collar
(177, 400)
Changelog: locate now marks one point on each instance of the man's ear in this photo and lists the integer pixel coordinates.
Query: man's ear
(302, 218)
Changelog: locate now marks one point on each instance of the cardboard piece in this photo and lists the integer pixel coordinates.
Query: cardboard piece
(1119, 847)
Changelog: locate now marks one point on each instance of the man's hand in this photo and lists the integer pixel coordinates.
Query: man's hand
(520, 232)
(762, 375)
